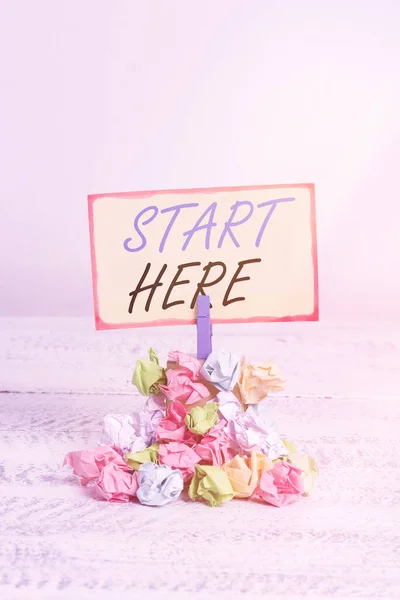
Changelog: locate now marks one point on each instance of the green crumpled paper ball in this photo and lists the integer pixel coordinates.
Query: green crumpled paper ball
(136, 459)
(148, 374)
(202, 418)
(210, 483)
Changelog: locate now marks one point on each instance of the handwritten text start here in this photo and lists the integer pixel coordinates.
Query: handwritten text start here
(214, 271)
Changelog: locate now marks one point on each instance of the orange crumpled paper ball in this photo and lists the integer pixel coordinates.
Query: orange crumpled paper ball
(244, 472)
(256, 381)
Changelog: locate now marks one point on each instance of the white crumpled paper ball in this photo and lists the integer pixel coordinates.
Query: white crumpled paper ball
(250, 431)
(147, 420)
(119, 432)
(158, 484)
(228, 405)
(222, 369)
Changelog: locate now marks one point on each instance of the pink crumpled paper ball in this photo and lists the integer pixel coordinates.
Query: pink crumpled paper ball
(187, 363)
(282, 485)
(180, 387)
(88, 464)
(173, 427)
(117, 483)
(179, 456)
(183, 381)
(216, 447)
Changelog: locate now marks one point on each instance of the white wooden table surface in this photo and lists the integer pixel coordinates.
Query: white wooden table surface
(58, 377)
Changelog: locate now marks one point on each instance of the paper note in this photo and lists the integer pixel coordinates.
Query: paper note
(252, 250)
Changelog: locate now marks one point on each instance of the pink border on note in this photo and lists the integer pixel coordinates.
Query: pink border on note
(100, 324)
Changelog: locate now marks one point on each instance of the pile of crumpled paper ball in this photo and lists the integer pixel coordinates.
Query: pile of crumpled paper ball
(199, 436)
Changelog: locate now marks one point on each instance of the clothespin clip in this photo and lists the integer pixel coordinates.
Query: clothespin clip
(204, 327)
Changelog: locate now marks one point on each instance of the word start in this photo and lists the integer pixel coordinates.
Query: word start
(205, 222)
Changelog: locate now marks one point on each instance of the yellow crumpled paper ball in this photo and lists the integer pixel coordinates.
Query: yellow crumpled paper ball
(210, 483)
(148, 374)
(256, 381)
(304, 462)
(202, 418)
(244, 472)
(136, 459)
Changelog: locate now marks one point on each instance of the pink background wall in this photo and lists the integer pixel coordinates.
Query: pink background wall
(101, 96)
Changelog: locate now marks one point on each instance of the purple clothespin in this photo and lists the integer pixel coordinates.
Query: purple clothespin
(204, 327)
